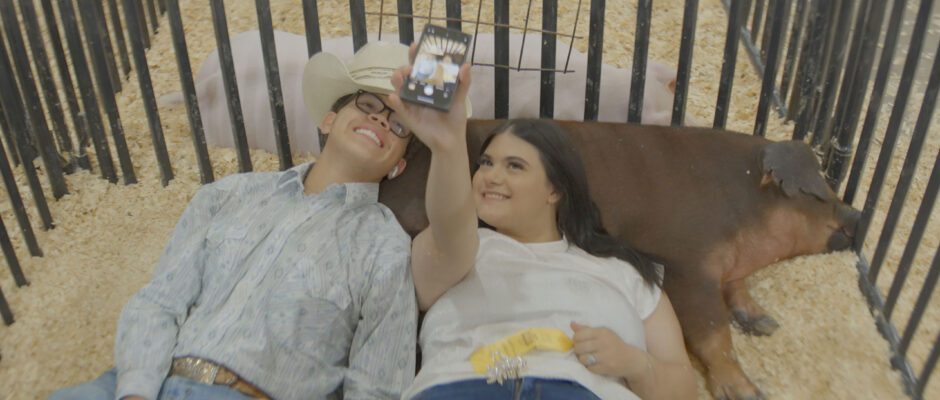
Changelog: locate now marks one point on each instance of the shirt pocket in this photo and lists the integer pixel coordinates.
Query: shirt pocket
(226, 245)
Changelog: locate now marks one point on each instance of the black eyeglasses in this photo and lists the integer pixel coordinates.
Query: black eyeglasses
(369, 103)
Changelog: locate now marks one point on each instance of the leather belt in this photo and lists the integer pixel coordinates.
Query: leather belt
(210, 373)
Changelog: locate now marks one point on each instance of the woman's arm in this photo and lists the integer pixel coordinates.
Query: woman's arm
(444, 253)
(663, 371)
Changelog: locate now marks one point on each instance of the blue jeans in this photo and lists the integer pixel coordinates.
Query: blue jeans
(517, 389)
(174, 388)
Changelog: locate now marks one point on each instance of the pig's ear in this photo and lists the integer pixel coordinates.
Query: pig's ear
(792, 167)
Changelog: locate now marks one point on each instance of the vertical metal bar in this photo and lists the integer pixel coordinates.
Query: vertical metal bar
(78, 122)
(273, 77)
(764, 41)
(37, 119)
(796, 32)
(644, 9)
(733, 35)
(231, 84)
(853, 94)
(10, 100)
(756, 18)
(917, 234)
(406, 24)
(357, 17)
(154, 17)
(549, 39)
(810, 66)
(8, 137)
(894, 125)
(874, 102)
(119, 36)
(105, 36)
(592, 93)
(454, 14)
(16, 203)
(44, 72)
(683, 73)
(106, 93)
(189, 90)
(10, 256)
(162, 6)
(146, 93)
(904, 184)
(821, 131)
(927, 370)
(312, 27)
(501, 53)
(779, 12)
(5, 312)
(525, 31)
(92, 114)
(144, 32)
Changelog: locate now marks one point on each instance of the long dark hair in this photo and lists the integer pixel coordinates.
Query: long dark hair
(578, 217)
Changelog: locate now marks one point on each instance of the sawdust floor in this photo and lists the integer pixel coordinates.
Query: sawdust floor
(108, 237)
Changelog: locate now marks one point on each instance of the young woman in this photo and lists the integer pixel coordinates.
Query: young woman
(540, 301)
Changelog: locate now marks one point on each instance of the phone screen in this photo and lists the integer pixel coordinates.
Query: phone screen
(433, 78)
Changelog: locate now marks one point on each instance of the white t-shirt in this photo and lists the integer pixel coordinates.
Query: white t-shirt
(515, 286)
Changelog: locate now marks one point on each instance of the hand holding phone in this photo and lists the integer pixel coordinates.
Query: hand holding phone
(433, 79)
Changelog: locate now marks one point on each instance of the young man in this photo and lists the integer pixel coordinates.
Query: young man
(288, 285)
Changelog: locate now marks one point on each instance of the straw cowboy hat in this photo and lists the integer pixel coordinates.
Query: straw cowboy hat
(327, 78)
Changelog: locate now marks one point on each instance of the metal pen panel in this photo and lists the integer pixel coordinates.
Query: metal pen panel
(8, 136)
(930, 281)
(793, 46)
(894, 125)
(10, 100)
(105, 41)
(874, 102)
(406, 24)
(273, 77)
(92, 115)
(154, 16)
(834, 68)
(549, 41)
(775, 31)
(927, 370)
(90, 23)
(756, 18)
(903, 185)
(312, 27)
(10, 255)
(595, 59)
(146, 94)
(119, 35)
(16, 203)
(454, 14)
(220, 26)
(5, 312)
(189, 91)
(644, 11)
(357, 17)
(32, 102)
(736, 17)
(501, 58)
(683, 73)
(851, 99)
(44, 72)
(78, 122)
(144, 32)
(809, 67)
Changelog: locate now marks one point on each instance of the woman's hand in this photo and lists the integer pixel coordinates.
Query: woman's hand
(436, 129)
(603, 352)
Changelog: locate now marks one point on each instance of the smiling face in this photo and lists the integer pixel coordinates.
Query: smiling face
(511, 189)
(364, 140)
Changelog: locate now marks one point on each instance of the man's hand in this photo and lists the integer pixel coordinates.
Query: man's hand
(603, 352)
(436, 129)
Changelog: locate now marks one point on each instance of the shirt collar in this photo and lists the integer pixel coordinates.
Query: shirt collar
(352, 193)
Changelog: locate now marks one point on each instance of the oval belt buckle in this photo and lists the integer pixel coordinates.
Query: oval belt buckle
(503, 368)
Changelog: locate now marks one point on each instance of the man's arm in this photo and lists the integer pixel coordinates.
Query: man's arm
(382, 354)
(148, 327)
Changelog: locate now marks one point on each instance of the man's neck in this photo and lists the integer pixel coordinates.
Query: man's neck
(326, 172)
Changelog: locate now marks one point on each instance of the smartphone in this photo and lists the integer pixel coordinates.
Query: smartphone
(433, 79)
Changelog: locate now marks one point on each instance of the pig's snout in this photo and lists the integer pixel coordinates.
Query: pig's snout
(843, 237)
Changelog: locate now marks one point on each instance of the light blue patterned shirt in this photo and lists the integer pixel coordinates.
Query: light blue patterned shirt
(304, 296)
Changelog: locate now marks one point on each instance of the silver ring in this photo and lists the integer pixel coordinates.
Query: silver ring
(591, 360)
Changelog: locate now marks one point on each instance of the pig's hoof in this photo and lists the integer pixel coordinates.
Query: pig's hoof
(757, 325)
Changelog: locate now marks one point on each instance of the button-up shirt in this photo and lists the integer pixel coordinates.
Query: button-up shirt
(304, 296)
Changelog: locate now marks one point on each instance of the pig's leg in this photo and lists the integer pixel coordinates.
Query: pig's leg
(747, 314)
(706, 326)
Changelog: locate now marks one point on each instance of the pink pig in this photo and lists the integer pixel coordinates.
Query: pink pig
(523, 91)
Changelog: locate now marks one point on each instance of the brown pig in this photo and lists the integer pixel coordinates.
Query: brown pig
(712, 206)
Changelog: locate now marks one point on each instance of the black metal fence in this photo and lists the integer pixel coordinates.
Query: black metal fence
(823, 50)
